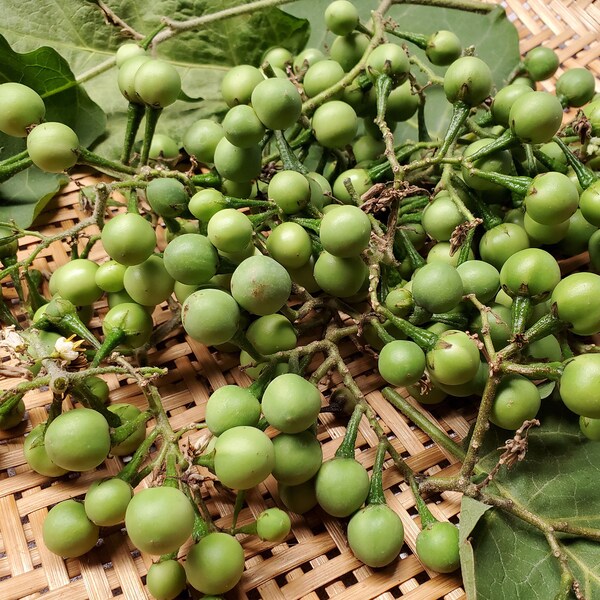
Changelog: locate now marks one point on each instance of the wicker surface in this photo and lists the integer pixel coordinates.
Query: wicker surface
(314, 562)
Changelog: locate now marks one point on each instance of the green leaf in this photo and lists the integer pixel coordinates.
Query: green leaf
(471, 512)
(495, 39)
(44, 70)
(24, 196)
(82, 36)
(557, 480)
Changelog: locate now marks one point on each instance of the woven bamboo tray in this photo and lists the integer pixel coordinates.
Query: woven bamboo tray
(314, 562)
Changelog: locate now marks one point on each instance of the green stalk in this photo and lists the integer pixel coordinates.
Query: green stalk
(507, 140)
(520, 313)
(258, 387)
(376, 495)
(517, 184)
(418, 39)
(14, 167)
(424, 513)
(584, 175)
(89, 158)
(9, 403)
(121, 433)
(460, 112)
(288, 158)
(135, 113)
(206, 460)
(152, 115)
(82, 392)
(346, 449)
(422, 422)
(211, 179)
(130, 470)
(549, 162)
(111, 341)
(426, 340)
(415, 259)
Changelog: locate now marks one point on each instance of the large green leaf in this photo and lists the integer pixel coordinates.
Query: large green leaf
(79, 31)
(45, 71)
(557, 480)
(495, 39)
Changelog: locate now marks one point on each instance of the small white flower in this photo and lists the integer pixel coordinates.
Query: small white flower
(12, 340)
(66, 349)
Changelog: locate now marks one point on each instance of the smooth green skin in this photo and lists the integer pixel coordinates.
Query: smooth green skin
(76, 281)
(159, 520)
(576, 86)
(242, 127)
(126, 76)
(230, 230)
(298, 457)
(278, 57)
(238, 84)
(272, 333)
(441, 217)
(589, 203)
(321, 76)
(122, 297)
(367, 148)
(340, 277)
(544, 234)
(13, 417)
(166, 579)
(594, 250)
(590, 428)
(578, 235)
(541, 63)
(553, 151)
(83, 429)
(300, 498)
(131, 318)
(215, 564)
(504, 100)
(400, 301)
(231, 406)
(277, 103)
(437, 287)
(376, 535)
(21, 108)
(201, 138)
(579, 385)
(437, 547)
(533, 273)
(261, 285)
(341, 486)
(128, 412)
(551, 198)
(273, 525)
(37, 457)
(401, 362)
(128, 239)
(454, 359)
(67, 531)
(320, 195)
(98, 387)
(157, 83)
(434, 396)
(306, 58)
(440, 252)
(191, 258)
(238, 164)
(106, 501)
(290, 190)
(109, 276)
(576, 300)
(149, 282)
(345, 232)
(469, 80)
(254, 372)
(517, 400)
(524, 81)
(359, 179)
(390, 59)
(535, 118)
(290, 403)
(341, 17)
(402, 104)
(304, 276)
(497, 162)
(348, 49)
(443, 48)
(546, 349)
(472, 387)
(210, 316)
(244, 457)
(479, 278)
(498, 244)
(206, 203)
(334, 124)
(289, 244)
(499, 320)
(167, 197)
(163, 146)
(53, 147)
